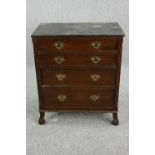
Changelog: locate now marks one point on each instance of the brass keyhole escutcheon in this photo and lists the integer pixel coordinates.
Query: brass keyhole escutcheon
(60, 77)
(59, 45)
(59, 59)
(61, 97)
(96, 44)
(95, 77)
(94, 98)
(95, 59)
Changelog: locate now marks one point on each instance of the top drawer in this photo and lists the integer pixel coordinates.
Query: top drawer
(77, 44)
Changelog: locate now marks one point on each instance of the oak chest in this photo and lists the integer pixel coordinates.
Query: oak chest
(78, 67)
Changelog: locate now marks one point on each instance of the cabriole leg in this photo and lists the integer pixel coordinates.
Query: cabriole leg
(115, 118)
(41, 119)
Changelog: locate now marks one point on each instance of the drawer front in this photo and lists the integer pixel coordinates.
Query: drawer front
(78, 97)
(76, 77)
(77, 59)
(56, 97)
(77, 44)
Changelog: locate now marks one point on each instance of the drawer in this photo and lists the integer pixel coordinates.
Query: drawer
(78, 77)
(78, 97)
(57, 97)
(78, 59)
(77, 44)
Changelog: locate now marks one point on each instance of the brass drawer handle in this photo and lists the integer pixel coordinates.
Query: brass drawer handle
(94, 98)
(96, 44)
(59, 59)
(95, 77)
(58, 45)
(95, 59)
(61, 77)
(61, 97)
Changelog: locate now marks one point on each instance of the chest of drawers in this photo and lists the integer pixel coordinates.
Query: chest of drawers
(78, 67)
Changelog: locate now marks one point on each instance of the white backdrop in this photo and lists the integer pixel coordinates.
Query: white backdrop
(41, 11)
(76, 133)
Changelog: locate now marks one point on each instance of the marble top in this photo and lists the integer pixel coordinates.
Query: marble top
(78, 29)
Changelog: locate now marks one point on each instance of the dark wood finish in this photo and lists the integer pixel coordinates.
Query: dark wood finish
(77, 59)
(78, 70)
(78, 44)
(41, 119)
(78, 97)
(76, 77)
(115, 118)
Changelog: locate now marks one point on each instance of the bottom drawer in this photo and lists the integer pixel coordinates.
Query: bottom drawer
(77, 97)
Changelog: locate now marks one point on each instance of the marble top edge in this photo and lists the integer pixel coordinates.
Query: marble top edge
(78, 29)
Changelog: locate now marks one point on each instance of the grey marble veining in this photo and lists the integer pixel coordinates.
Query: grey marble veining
(81, 29)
